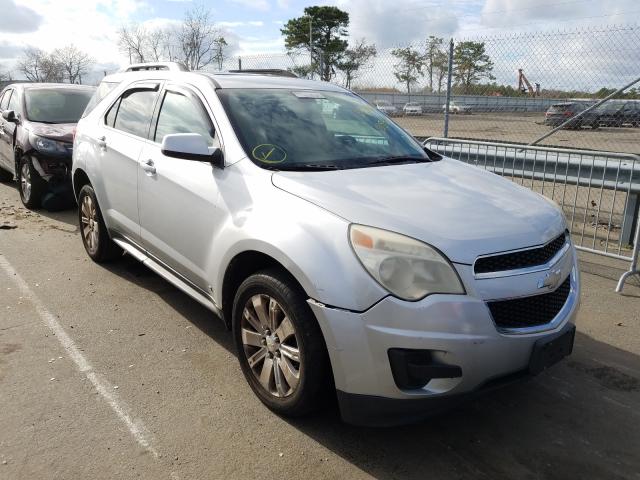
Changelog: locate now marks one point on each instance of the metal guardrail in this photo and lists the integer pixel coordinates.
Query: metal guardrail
(598, 191)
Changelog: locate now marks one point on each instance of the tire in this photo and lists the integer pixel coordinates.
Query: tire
(95, 236)
(31, 186)
(5, 175)
(268, 345)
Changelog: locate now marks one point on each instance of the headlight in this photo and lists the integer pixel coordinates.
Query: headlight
(407, 268)
(48, 146)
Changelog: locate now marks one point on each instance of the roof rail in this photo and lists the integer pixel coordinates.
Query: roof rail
(171, 66)
(276, 72)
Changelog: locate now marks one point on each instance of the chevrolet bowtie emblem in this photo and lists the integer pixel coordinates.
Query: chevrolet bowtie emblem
(550, 280)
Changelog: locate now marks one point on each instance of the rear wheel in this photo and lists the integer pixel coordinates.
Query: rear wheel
(95, 237)
(32, 187)
(280, 346)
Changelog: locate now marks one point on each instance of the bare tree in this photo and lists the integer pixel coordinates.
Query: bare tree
(434, 50)
(201, 42)
(133, 41)
(5, 75)
(30, 64)
(74, 62)
(355, 59)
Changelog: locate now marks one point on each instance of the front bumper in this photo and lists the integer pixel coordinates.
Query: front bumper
(49, 168)
(457, 329)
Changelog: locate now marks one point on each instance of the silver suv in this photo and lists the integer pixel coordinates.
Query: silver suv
(344, 256)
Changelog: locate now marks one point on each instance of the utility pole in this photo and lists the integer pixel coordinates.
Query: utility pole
(311, 46)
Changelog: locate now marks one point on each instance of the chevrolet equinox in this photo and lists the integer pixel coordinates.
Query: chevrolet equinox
(343, 255)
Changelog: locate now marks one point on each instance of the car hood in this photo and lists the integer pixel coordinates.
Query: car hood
(62, 132)
(462, 210)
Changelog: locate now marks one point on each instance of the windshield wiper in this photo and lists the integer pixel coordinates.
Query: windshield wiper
(398, 159)
(315, 167)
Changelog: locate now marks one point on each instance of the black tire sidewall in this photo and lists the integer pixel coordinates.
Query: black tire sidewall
(313, 365)
(37, 184)
(106, 248)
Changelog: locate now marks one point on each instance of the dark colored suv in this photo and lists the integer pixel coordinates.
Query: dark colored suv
(617, 114)
(561, 112)
(36, 136)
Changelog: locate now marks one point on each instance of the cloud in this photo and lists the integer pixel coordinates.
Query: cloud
(389, 24)
(18, 18)
(9, 50)
(262, 5)
(506, 13)
(250, 23)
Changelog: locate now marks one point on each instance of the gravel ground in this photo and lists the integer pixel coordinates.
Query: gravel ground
(522, 128)
(110, 372)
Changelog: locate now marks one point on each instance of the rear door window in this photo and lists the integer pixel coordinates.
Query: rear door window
(183, 114)
(4, 101)
(14, 103)
(135, 111)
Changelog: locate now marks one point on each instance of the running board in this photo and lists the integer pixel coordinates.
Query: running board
(168, 275)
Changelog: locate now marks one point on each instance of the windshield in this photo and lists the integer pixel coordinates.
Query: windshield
(297, 129)
(56, 106)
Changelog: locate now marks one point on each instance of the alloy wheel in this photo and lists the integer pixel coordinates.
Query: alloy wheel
(90, 226)
(270, 345)
(25, 181)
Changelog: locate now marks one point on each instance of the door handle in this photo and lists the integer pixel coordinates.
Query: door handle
(102, 142)
(149, 167)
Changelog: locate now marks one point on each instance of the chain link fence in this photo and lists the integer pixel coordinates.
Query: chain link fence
(507, 89)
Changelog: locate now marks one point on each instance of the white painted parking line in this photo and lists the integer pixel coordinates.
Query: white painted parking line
(104, 388)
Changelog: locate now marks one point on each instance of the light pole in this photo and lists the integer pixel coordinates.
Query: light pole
(311, 46)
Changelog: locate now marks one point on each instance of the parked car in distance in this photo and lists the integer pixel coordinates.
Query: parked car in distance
(559, 113)
(346, 258)
(456, 108)
(36, 135)
(412, 108)
(619, 114)
(386, 107)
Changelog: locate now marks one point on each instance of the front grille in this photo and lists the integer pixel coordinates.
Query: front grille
(530, 311)
(522, 259)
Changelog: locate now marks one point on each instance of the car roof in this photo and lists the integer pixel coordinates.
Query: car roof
(56, 86)
(223, 80)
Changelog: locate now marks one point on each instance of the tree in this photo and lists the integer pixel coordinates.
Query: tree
(30, 64)
(434, 52)
(328, 27)
(5, 75)
(409, 68)
(74, 62)
(470, 64)
(201, 42)
(441, 68)
(133, 41)
(196, 42)
(355, 59)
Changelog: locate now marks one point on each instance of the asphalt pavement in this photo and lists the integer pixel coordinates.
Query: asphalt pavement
(110, 372)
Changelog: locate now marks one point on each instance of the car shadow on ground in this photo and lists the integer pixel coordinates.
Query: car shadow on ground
(579, 419)
(205, 320)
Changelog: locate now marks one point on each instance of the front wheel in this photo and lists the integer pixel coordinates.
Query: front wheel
(95, 237)
(32, 187)
(280, 346)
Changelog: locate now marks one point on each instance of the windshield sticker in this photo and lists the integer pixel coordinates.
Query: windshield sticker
(269, 153)
(308, 94)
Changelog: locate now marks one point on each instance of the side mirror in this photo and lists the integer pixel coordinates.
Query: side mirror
(10, 116)
(191, 146)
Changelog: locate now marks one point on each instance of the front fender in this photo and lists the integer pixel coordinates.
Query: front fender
(310, 242)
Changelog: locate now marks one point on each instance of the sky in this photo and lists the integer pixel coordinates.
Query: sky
(253, 26)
